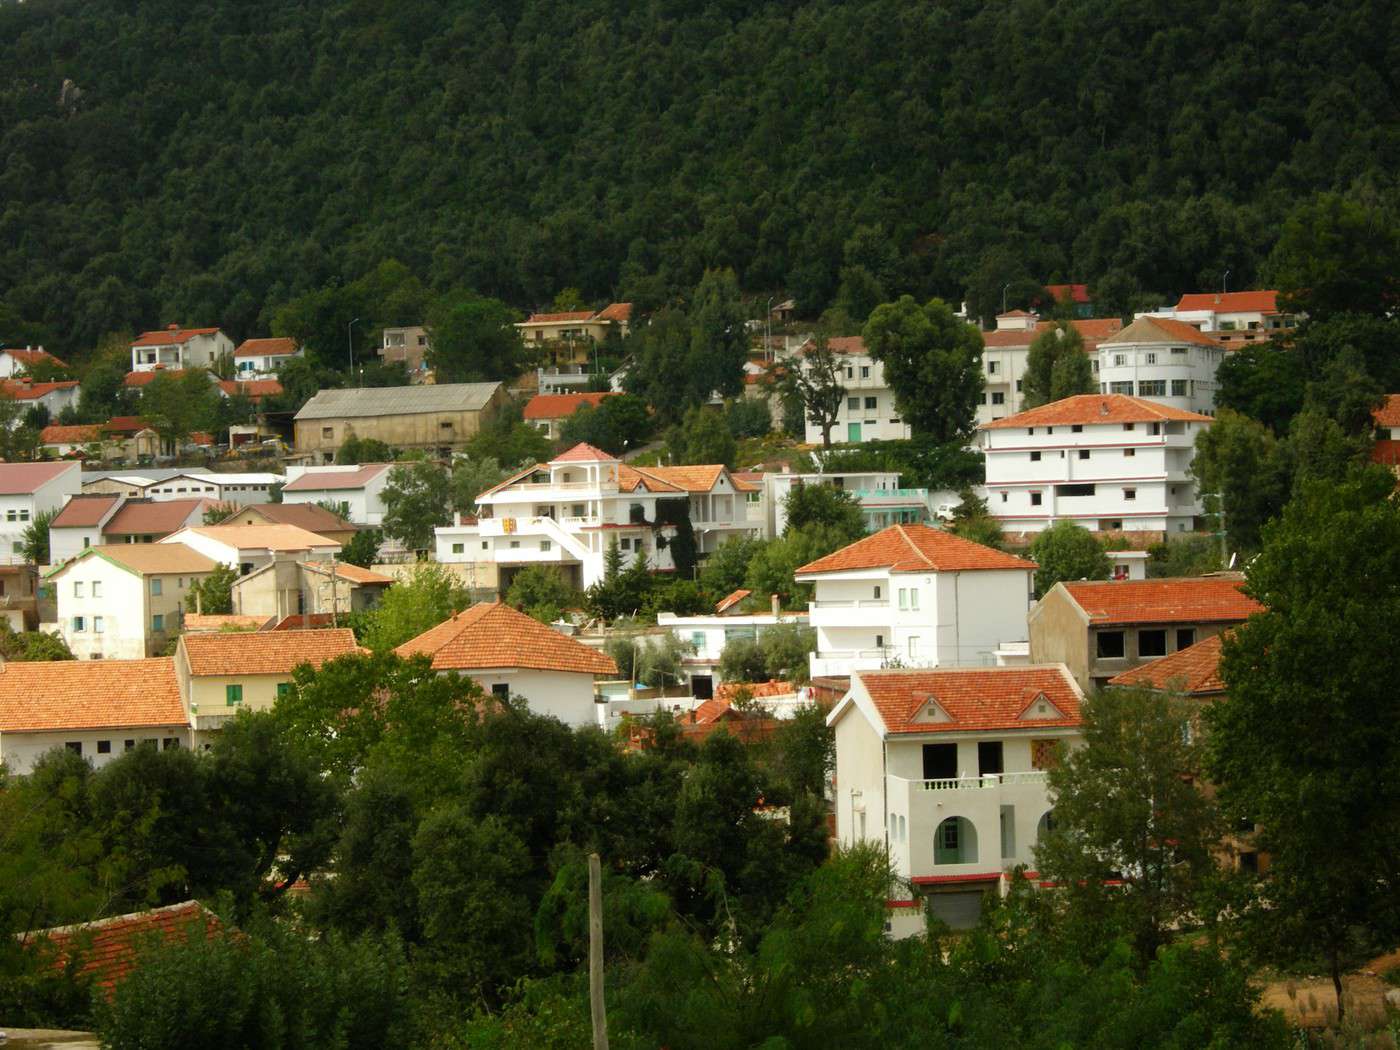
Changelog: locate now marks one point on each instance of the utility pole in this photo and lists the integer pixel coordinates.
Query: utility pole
(595, 953)
(350, 341)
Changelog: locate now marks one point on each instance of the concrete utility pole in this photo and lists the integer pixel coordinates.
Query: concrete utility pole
(595, 953)
(350, 341)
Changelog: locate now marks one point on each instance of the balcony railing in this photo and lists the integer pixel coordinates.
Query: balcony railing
(852, 603)
(920, 495)
(990, 780)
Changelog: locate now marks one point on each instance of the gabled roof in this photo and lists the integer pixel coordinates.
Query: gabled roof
(253, 389)
(1093, 330)
(700, 477)
(730, 600)
(138, 379)
(973, 699)
(561, 406)
(309, 516)
(76, 434)
(148, 517)
(336, 480)
(1388, 414)
(615, 312)
(125, 424)
(223, 622)
(275, 347)
(1231, 302)
(493, 635)
(48, 696)
(1075, 293)
(30, 356)
(83, 512)
(1096, 409)
(23, 390)
(171, 335)
(264, 652)
(1201, 599)
(264, 537)
(398, 400)
(584, 453)
(556, 318)
(1148, 329)
(914, 548)
(19, 479)
(146, 559)
(1193, 671)
(345, 571)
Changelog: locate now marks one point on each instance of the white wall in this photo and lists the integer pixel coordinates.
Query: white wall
(118, 609)
(19, 751)
(561, 694)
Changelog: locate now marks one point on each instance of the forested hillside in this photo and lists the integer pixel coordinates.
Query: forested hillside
(219, 157)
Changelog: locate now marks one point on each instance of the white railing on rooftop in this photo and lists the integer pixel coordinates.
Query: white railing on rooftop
(852, 603)
(990, 780)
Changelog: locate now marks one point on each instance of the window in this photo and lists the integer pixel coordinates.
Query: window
(1077, 428)
(283, 688)
(1075, 490)
(1083, 453)
(865, 371)
(1018, 386)
(11, 515)
(514, 545)
(1035, 499)
(1185, 637)
(233, 694)
(879, 641)
(1109, 645)
(1130, 493)
(128, 745)
(327, 432)
(78, 625)
(104, 747)
(24, 515)
(501, 690)
(1151, 359)
(989, 758)
(546, 545)
(940, 761)
(77, 588)
(853, 403)
(169, 743)
(75, 746)
(624, 544)
(459, 548)
(158, 621)
(97, 588)
(1125, 387)
(991, 368)
(850, 373)
(1003, 496)
(1178, 388)
(870, 404)
(913, 646)
(1128, 453)
(1152, 388)
(1035, 457)
(1008, 831)
(156, 587)
(1119, 360)
(877, 592)
(486, 545)
(1180, 351)
(1152, 643)
(697, 639)
(998, 398)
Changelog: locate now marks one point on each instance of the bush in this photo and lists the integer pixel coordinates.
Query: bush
(743, 661)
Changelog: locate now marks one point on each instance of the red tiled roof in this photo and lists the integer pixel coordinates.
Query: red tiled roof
(106, 951)
(491, 635)
(700, 477)
(1088, 409)
(225, 654)
(18, 479)
(1388, 414)
(1075, 293)
(23, 390)
(615, 312)
(1017, 313)
(1202, 599)
(275, 347)
(568, 315)
(354, 573)
(973, 698)
(83, 511)
(336, 480)
(730, 600)
(194, 622)
(1194, 670)
(29, 357)
(1148, 329)
(726, 692)
(1093, 330)
(77, 434)
(560, 406)
(914, 548)
(297, 622)
(1231, 302)
(253, 389)
(125, 425)
(53, 695)
(144, 517)
(584, 453)
(309, 516)
(171, 336)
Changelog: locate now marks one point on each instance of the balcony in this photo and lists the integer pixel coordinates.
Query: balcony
(852, 603)
(982, 783)
(842, 662)
(868, 497)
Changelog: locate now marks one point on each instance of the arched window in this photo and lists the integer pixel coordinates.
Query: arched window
(1046, 825)
(955, 842)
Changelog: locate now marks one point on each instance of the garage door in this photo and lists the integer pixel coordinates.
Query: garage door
(960, 909)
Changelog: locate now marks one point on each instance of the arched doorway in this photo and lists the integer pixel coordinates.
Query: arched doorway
(955, 842)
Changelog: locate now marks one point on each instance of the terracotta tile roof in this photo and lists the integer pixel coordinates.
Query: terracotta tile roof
(1231, 302)
(1388, 414)
(583, 452)
(275, 347)
(264, 537)
(725, 692)
(89, 694)
(1075, 293)
(492, 634)
(1150, 329)
(32, 357)
(195, 622)
(568, 315)
(1203, 599)
(297, 622)
(336, 480)
(125, 425)
(20, 479)
(106, 950)
(77, 434)
(630, 479)
(201, 437)
(171, 336)
(560, 406)
(139, 379)
(82, 512)
(615, 312)
(914, 548)
(149, 559)
(974, 699)
(309, 516)
(700, 477)
(1088, 409)
(1093, 330)
(730, 600)
(23, 390)
(253, 389)
(264, 652)
(1194, 670)
(345, 571)
(147, 517)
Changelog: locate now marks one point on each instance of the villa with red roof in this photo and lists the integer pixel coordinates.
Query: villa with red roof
(1233, 319)
(918, 596)
(1108, 462)
(262, 358)
(1162, 359)
(16, 361)
(946, 768)
(357, 488)
(28, 490)
(548, 412)
(567, 513)
(174, 347)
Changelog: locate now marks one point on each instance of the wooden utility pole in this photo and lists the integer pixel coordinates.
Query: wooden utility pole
(595, 953)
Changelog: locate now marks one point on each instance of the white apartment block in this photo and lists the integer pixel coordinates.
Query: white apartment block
(914, 596)
(1108, 462)
(567, 512)
(26, 491)
(1006, 351)
(1163, 360)
(947, 770)
(882, 500)
(868, 412)
(360, 488)
(174, 348)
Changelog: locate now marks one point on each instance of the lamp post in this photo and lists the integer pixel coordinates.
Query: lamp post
(350, 341)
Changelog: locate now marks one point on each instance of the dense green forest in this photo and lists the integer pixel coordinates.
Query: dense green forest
(211, 160)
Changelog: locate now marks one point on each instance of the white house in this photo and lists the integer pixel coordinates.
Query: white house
(54, 396)
(174, 348)
(946, 769)
(1108, 462)
(28, 490)
(248, 547)
(882, 500)
(868, 412)
(707, 635)
(1006, 351)
(98, 711)
(242, 488)
(15, 361)
(915, 596)
(510, 654)
(1235, 318)
(359, 487)
(92, 520)
(1164, 360)
(263, 358)
(567, 511)
(125, 601)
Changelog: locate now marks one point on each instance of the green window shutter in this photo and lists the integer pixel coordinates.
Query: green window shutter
(233, 694)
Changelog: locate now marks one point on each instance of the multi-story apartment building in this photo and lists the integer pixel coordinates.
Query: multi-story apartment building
(1236, 319)
(566, 513)
(946, 769)
(1005, 353)
(1108, 462)
(175, 348)
(1164, 360)
(868, 412)
(358, 488)
(26, 491)
(914, 596)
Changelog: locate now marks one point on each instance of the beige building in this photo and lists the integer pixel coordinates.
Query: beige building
(222, 673)
(287, 587)
(306, 516)
(437, 418)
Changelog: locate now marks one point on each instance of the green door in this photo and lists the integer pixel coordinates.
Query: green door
(852, 431)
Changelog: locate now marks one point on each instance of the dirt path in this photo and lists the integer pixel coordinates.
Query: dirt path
(1311, 1002)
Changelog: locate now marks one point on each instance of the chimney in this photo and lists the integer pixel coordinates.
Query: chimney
(777, 606)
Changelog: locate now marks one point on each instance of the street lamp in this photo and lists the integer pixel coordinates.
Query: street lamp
(350, 340)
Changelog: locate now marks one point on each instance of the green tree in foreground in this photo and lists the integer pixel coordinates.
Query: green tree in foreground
(416, 499)
(32, 645)
(1241, 471)
(1066, 551)
(933, 362)
(542, 592)
(213, 595)
(356, 450)
(825, 506)
(424, 598)
(36, 538)
(1057, 367)
(363, 548)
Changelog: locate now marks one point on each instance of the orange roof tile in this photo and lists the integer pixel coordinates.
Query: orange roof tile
(615, 312)
(567, 315)
(265, 537)
(1075, 293)
(345, 571)
(23, 390)
(253, 389)
(171, 336)
(46, 696)
(1094, 330)
(264, 652)
(19, 479)
(1087, 409)
(222, 622)
(583, 452)
(1148, 329)
(309, 516)
(32, 357)
(730, 600)
(336, 480)
(914, 548)
(975, 699)
(492, 634)
(275, 347)
(299, 621)
(149, 517)
(82, 512)
(1388, 414)
(125, 425)
(561, 406)
(150, 559)
(1202, 599)
(1194, 670)
(1231, 302)
(77, 434)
